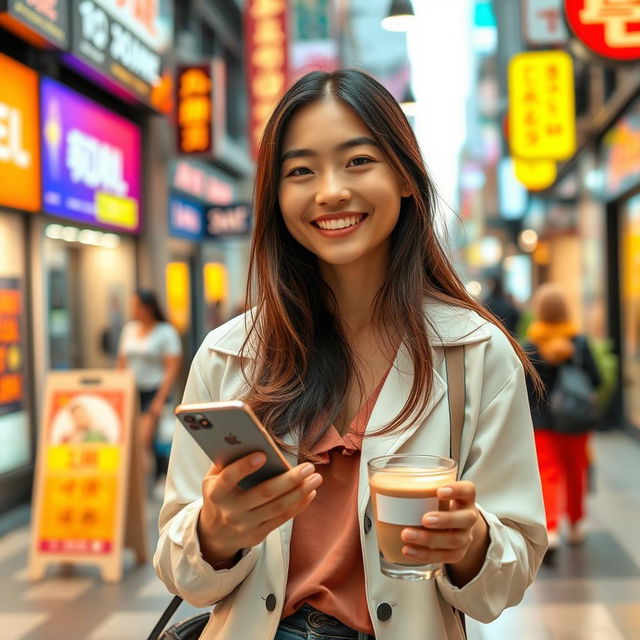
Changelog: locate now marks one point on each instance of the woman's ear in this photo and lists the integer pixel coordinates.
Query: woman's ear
(405, 191)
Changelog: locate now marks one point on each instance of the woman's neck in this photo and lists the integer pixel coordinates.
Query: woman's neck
(355, 287)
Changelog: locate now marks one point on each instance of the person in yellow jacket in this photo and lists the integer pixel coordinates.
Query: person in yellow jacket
(554, 340)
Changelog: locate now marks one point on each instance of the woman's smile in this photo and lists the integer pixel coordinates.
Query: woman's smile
(336, 225)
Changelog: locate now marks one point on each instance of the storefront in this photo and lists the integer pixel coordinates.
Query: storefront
(91, 177)
(19, 201)
(209, 247)
(621, 188)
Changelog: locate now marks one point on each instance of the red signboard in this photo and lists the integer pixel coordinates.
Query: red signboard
(609, 28)
(267, 61)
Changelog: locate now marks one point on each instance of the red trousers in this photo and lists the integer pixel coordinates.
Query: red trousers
(563, 463)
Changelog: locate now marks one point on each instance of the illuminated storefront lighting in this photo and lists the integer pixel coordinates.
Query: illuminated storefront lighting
(89, 237)
(528, 240)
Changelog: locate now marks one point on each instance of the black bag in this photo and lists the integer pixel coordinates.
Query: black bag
(573, 401)
(189, 629)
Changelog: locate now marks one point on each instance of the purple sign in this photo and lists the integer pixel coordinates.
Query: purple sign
(90, 161)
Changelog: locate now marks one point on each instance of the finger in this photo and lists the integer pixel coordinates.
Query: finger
(453, 539)
(463, 492)
(428, 556)
(458, 519)
(267, 527)
(276, 487)
(227, 480)
(287, 502)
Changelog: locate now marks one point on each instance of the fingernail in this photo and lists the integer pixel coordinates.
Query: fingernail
(432, 519)
(256, 459)
(410, 535)
(307, 470)
(316, 481)
(408, 551)
(445, 492)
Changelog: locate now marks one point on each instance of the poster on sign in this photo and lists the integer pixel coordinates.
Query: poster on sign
(88, 473)
(230, 220)
(91, 161)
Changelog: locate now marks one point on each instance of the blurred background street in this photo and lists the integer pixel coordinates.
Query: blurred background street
(128, 137)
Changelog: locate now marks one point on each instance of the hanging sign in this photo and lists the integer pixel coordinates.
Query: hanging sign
(541, 106)
(608, 28)
(194, 85)
(185, 219)
(47, 18)
(201, 180)
(88, 474)
(543, 23)
(535, 175)
(19, 140)
(267, 61)
(231, 220)
(91, 164)
(124, 41)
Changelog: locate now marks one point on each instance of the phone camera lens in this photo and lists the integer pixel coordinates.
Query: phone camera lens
(204, 423)
(190, 419)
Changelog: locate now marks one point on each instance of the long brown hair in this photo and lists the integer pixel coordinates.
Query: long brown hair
(301, 364)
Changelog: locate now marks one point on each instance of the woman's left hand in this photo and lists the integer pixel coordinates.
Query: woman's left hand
(459, 535)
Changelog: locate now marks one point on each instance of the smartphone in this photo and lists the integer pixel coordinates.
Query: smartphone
(227, 431)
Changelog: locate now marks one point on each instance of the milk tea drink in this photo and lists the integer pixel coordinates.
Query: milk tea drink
(403, 489)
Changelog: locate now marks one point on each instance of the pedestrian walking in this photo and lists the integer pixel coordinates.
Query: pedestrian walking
(351, 305)
(150, 346)
(554, 342)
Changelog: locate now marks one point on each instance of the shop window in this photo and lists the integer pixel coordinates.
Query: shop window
(236, 113)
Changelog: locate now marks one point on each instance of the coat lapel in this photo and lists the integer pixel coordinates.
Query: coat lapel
(392, 398)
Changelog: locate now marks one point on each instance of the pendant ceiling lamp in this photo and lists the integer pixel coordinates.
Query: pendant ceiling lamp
(400, 17)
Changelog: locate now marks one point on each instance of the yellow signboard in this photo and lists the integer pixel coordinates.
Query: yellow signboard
(87, 474)
(535, 175)
(541, 106)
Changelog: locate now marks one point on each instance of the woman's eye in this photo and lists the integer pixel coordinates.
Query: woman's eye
(360, 161)
(299, 171)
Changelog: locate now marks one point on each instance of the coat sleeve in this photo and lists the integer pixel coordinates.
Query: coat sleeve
(502, 464)
(178, 559)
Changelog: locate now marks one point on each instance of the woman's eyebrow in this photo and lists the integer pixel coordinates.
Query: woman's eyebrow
(353, 142)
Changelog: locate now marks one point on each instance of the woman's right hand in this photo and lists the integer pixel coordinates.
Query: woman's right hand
(232, 519)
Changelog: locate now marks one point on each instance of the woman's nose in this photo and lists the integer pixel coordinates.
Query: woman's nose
(332, 192)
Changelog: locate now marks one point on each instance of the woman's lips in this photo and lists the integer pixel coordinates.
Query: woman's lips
(352, 223)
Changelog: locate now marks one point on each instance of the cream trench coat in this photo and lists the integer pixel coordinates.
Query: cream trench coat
(497, 454)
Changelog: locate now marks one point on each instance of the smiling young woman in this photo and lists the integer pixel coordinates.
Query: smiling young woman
(352, 304)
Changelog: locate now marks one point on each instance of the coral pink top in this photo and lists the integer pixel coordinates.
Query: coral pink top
(325, 569)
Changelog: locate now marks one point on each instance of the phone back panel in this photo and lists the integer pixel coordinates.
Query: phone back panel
(233, 434)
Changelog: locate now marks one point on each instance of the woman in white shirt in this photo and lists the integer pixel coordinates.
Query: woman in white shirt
(151, 348)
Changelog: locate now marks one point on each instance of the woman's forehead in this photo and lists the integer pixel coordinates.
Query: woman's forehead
(323, 124)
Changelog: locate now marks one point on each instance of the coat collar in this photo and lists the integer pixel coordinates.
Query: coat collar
(446, 326)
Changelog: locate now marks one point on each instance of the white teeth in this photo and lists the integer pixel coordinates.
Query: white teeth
(339, 223)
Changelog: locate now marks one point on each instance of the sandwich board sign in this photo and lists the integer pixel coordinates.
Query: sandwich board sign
(88, 500)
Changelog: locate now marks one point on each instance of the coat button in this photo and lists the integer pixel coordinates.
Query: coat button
(384, 611)
(367, 524)
(270, 602)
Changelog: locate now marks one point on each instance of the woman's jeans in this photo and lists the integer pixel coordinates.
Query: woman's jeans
(310, 624)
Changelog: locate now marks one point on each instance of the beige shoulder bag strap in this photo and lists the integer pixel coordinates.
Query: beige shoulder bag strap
(454, 357)
(456, 392)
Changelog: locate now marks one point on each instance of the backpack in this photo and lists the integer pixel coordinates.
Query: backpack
(573, 399)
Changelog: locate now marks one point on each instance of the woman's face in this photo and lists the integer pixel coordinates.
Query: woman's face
(138, 311)
(338, 195)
